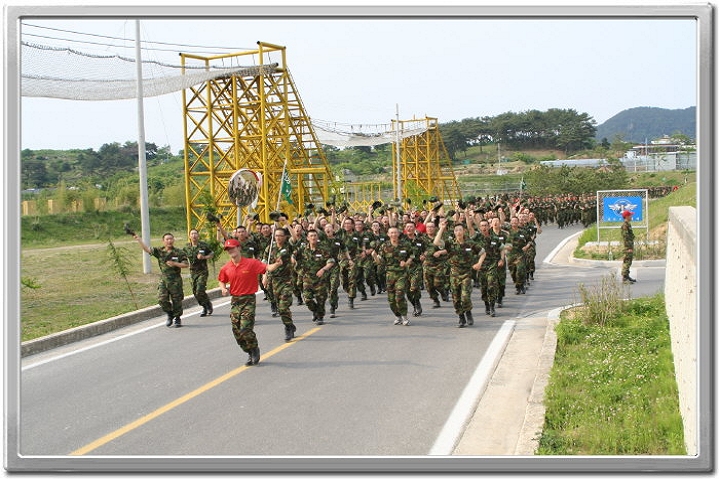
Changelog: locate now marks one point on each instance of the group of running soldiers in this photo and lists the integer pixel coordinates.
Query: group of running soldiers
(442, 249)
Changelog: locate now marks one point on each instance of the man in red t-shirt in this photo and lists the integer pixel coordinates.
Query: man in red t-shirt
(242, 276)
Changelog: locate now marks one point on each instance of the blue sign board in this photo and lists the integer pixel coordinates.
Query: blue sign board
(612, 207)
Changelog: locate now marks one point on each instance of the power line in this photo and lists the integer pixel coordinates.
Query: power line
(123, 40)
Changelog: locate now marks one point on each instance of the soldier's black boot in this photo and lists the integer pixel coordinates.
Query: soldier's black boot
(273, 308)
(486, 307)
(470, 319)
(299, 300)
(210, 309)
(255, 355)
(203, 313)
(178, 322)
(499, 303)
(445, 296)
(372, 289)
(250, 361)
(436, 303)
(462, 321)
(352, 303)
(288, 332)
(168, 321)
(417, 308)
(332, 311)
(491, 310)
(364, 296)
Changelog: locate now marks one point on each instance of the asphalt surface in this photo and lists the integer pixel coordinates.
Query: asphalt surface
(501, 366)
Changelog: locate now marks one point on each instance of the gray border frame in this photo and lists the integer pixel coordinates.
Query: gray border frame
(704, 14)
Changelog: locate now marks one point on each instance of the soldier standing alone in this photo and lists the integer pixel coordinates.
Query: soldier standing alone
(628, 240)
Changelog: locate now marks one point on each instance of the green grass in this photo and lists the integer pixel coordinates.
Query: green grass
(612, 390)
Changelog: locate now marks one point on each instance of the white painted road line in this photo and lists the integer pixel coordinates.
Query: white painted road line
(467, 402)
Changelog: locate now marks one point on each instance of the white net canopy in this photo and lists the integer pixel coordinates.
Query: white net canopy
(65, 73)
(344, 135)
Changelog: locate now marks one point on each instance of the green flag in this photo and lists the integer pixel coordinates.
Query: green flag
(286, 188)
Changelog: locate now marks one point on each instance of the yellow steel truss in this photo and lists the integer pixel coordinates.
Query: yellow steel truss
(250, 120)
(425, 166)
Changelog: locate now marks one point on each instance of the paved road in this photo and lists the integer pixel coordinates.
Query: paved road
(356, 386)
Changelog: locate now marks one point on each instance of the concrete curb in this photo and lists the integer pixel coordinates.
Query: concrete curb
(528, 441)
(62, 338)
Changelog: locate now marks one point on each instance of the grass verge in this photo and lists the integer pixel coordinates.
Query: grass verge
(612, 389)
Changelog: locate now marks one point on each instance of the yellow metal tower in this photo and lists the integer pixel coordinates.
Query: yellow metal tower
(255, 120)
(425, 166)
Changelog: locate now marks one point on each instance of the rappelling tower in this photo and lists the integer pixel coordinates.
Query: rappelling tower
(254, 120)
(425, 168)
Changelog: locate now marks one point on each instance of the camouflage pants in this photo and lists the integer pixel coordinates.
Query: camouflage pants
(366, 274)
(334, 287)
(489, 282)
(627, 263)
(198, 281)
(170, 295)
(281, 291)
(242, 316)
(517, 269)
(414, 283)
(348, 275)
(531, 255)
(434, 281)
(396, 292)
(314, 291)
(461, 285)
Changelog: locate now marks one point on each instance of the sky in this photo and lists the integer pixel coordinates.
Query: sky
(363, 70)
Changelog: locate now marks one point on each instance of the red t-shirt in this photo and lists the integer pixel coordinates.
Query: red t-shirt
(243, 277)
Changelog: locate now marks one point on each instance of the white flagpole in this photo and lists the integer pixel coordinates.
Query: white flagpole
(141, 154)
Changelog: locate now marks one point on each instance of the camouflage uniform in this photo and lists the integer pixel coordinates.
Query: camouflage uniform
(461, 258)
(516, 258)
(489, 273)
(314, 288)
(365, 268)
(279, 285)
(349, 272)
(380, 272)
(391, 256)
(531, 255)
(414, 274)
(337, 249)
(199, 273)
(628, 241)
(434, 270)
(170, 292)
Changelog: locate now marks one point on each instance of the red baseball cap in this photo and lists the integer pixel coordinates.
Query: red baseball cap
(626, 213)
(231, 243)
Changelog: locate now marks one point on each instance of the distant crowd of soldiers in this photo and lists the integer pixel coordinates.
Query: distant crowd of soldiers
(444, 249)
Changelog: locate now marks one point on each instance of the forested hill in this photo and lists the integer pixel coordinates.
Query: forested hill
(636, 125)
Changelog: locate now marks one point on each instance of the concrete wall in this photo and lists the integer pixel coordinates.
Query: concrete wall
(680, 293)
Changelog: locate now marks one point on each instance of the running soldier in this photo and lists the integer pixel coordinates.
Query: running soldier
(396, 256)
(198, 252)
(169, 290)
(278, 283)
(316, 260)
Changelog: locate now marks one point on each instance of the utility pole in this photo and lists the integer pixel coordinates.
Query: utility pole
(141, 154)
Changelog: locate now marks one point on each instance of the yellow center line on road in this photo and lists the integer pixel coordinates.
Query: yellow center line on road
(181, 400)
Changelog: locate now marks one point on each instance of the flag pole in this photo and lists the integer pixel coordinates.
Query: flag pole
(277, 208)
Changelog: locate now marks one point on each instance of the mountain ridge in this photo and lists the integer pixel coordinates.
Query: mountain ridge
(643, 123)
